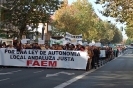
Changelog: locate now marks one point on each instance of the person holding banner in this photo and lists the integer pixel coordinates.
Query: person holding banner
(56, 46)
(60, 47)
(4, 45)
(66, 47)
(42, 47)
(38, 46)
(28, 46)
(10, 46)
(90, 54)
(95, 60)
(18, 47)
(76, 47)
(23, 46)
(47, 47)
(52, 47)
(82, 48)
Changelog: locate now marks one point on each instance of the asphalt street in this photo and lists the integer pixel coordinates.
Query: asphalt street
(117, 73)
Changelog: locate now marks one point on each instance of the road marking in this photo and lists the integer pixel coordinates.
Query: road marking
(14, 71)
(120, 55)
(56, 74)
(78, 77)
(38, 71)
(4, 79)
(74, 79)
(9, 72)
(5, 73)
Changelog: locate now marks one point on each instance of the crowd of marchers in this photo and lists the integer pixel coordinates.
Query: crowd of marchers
(93, 51)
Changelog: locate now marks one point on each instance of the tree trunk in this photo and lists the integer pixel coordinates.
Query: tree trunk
(20, 34)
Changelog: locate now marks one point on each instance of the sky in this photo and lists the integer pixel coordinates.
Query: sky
(98, 7)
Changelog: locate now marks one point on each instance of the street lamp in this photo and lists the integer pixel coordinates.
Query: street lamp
(43, 28)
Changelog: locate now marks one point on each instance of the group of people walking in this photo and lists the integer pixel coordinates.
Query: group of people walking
(94, 52)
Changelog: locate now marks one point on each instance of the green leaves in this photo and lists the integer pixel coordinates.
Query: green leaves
(76, 18)
(80, 18)
(129, 30)
(27, 12)
(122, 10)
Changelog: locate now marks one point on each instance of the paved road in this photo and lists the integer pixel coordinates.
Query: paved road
(115, 74)
(34, 78)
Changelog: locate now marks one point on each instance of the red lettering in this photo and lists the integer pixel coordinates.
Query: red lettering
(44, 63)
(52, 63)
(29, 62)
(36, 63)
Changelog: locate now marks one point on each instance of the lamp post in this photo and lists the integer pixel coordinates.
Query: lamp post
(43, 28)
(36, 40)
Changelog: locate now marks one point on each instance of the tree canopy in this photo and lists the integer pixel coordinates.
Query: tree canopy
(29, 12)
(79, 17)
(121, 10)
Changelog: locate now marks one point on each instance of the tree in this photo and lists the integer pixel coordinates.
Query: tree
(111, 34)
(66, 22)
(129, 41)
(122, 10)
(119, 9)
(100, 30)
(107, 33)
(30, 12)
(79, 18)
(76, 18)
(117, 36)
(129, 32)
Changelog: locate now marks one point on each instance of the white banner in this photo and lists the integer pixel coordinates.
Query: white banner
(102, 53)
(55, 41)
(41, 41)
(91, 44)
(24, 41)
(98, 44)
(74, 39)
(41, 58)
